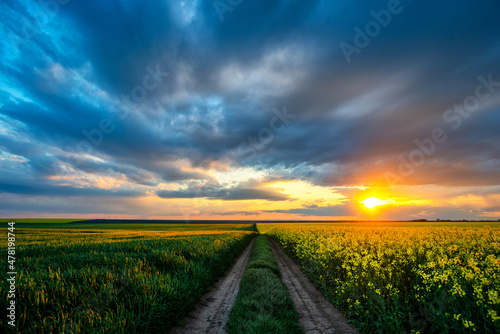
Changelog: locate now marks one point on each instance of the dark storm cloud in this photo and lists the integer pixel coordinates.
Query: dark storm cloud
(221, 79)
(246, 194)
(44, 189)
(231, 194)
(321, 211)
(173, 174)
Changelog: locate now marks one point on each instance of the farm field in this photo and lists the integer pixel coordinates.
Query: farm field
(118, 279)
(264, 227)
(401, 277)
(131, 225)
(145, 277)
(139, 227)
(40, 220)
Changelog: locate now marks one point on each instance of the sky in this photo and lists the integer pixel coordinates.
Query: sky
(239, 109)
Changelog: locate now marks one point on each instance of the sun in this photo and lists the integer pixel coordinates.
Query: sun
(372, 202)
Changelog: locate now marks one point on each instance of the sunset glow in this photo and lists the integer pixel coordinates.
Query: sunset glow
(372, 202)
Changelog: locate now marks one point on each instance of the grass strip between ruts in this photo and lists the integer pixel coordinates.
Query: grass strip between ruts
(263, 304)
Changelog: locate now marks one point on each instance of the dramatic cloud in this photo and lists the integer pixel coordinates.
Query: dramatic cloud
(232, 194)
(167, 103)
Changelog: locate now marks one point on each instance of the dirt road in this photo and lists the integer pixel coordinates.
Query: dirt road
(212, 312)
(316, 314)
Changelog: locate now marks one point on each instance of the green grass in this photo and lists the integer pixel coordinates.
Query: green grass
(263, 304)
(136, 227)
(113, 281)
(40, 220)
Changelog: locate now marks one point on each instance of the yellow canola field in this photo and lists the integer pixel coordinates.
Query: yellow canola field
(403, 279)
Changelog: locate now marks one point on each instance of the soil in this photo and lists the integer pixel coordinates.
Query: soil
(316, 314)
(212, 312)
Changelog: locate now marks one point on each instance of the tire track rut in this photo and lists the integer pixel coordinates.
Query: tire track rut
(212, 312)
(316, 314)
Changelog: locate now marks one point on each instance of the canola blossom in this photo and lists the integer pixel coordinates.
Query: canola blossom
(403, 279)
